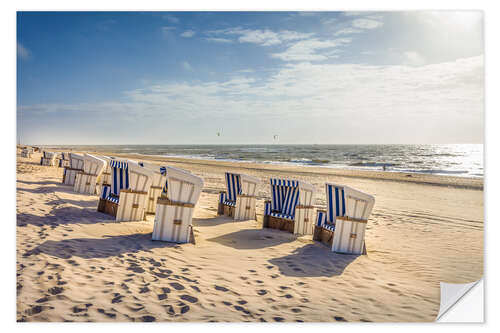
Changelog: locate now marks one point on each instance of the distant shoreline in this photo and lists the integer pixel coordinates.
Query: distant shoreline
(475, 183)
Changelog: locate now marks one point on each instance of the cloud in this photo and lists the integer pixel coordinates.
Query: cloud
(187, 66)
(188, 33)
(264, 37)
(23, 52)
(413, 58)
(218, 40)
(429, 103)
(348, 31)
(170, 18)
(308, 50)
(364, 23)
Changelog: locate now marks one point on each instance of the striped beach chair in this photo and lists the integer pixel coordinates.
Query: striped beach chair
(75, 166)
(27, 152)
(126, 197)
(86, 180)
(342, 225)
(158, 185)
(174, 213)
(290, 208)
(64, 160)
(238, 201)
(48, 158)
(105, 178)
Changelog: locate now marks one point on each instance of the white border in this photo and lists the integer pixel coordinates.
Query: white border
(8, 70)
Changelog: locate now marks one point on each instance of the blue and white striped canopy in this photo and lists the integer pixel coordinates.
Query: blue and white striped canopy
(118, 164)
(120, 178)
(285, 196)
(284, 182)
(335, 201)
(233, 184)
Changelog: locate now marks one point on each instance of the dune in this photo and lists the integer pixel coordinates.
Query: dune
(76, 264)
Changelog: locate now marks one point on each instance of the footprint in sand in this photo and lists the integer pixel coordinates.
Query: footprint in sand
(242, 309)
(196, 288)
(117, 298)
(261, 292)
(224, 289)
(338, 318)
(177, 286)
(189, 298)
(278, 319)
(109, 314)
(148, 318)
(55, 290)
(227, 303)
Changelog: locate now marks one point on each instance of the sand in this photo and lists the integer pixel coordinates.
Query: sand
(76, 264)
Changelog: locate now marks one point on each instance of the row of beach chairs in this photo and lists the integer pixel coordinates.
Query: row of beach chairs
(130, 190)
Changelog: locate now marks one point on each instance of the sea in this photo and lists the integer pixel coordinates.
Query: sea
(465, 160)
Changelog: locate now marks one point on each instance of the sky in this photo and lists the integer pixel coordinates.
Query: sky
(250, 77)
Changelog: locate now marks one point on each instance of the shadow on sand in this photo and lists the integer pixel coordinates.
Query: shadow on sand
(110, 246)
(313, 260)
(64, 216)
(253, 238)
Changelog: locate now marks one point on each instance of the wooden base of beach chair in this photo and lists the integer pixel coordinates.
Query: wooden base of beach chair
(154, 194)
(323, 235)
(245, 208)
(228, 210)
(132, 206)
(173, 222)
(70, 175)
(274, 222)
(27, 155)
(101, 206)
(304, 224)
(64, 163)
(349, 235)
(85, 183)
(110, 208)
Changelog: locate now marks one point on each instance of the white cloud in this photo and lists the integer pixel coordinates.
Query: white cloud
(358, 103)
(218, 40)
(187, 66)
(171, 18)
(307, 50)
(188, 33)
(264, 37)
(348, 31)
(413, 58)
(364, 23)
(22, 52)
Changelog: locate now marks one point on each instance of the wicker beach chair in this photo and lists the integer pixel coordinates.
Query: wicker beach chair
(126, 197)
(174, 213)
(342, 225)
(27, 152)
(86, 180)
(238, 201)
(157, 184)
(64, 160)
(75, 166)
(48, 158)
(290, 208)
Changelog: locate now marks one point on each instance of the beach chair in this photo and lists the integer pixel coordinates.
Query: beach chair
(342, 225)
(27, 152)
(75, 166)
(290, 208)
(126, 197)
(174, 213)
(86, 180)
(157, 184)
(238, 201)
(48, 158)
(64, 160)
(105, 179)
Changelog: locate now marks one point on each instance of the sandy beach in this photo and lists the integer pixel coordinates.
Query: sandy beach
(76, 264)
